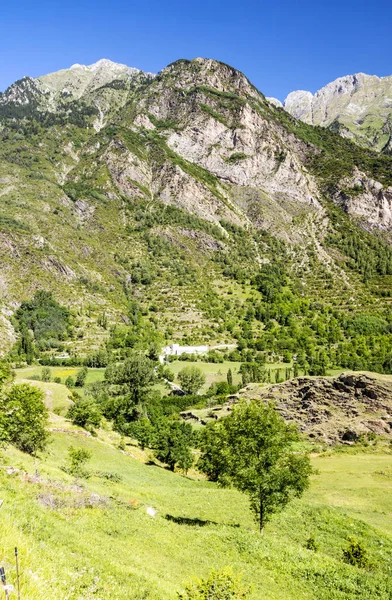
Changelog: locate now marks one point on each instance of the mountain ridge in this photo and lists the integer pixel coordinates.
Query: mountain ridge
(359, 106)
(172, 191)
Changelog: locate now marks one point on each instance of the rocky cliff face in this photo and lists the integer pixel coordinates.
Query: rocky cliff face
(81, 150)
(357, 106)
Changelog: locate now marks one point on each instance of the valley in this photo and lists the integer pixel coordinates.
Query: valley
(140, 211)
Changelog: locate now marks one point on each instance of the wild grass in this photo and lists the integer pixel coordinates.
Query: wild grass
(93, 538)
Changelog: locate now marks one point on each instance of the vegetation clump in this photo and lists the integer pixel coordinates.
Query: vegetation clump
(219, 585)
(252, 450)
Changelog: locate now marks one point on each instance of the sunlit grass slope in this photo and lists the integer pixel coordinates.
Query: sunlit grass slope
(94, 539)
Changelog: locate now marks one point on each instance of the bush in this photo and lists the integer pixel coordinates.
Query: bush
(219, 585)
(57, 380)
(311, 544)
(356, 554)
(84, 412)
(46, 374)
(69, 382)
(77, 459)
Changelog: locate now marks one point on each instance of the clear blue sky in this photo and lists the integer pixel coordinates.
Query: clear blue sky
(280, 46)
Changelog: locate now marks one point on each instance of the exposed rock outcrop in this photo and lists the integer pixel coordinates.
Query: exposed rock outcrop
(332, 410)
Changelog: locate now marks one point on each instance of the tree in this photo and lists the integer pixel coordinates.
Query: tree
(46, 374)
(6, 374)
(191, 379)
(81, 377)
(84, 412)
(24, 418)
(251, 449)
(172, 443)
(229, 377)
(130, 384)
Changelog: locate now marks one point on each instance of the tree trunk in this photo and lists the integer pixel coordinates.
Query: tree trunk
(261, 514)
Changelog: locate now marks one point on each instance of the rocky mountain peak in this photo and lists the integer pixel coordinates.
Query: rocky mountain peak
(299, 104)
(21, 92)
(79, 79)
(360, 103)
(210, 73)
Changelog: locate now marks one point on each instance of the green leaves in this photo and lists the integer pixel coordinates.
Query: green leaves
(219, 585)
(251, 449)
(24, 418)
(191, 379)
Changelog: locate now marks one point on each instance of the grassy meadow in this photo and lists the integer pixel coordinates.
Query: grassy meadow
(93, 539)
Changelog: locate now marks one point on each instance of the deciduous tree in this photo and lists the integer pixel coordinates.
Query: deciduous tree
(252, 450)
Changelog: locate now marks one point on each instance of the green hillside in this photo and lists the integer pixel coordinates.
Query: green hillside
(94, 537)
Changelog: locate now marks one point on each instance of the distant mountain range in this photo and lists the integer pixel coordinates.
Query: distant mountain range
(357, 106)
(174, 188)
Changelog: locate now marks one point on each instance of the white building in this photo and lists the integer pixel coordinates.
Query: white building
(177, 350)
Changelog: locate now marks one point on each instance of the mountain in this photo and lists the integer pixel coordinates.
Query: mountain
(174, 191)
(356, 106)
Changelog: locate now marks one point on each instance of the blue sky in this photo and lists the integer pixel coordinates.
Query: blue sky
(280, 46)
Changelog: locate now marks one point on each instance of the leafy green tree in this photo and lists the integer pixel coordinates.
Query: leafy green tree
(130, 384)
(6, 374)
(46, 374)
(221, 388)
(251, 449)
(229, 377)
(295, 368)
(219, 585)
(252, 372)
(81, 377)
(143, 431)
(84, 412)
(191, 379)
(173, 445)
(69, 382)
(24, 418)
(42, 323)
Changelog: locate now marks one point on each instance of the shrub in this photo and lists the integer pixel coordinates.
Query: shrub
(311, 544)
(46, 374)
(69, 382)
(219, 585)
(356, 554)
(76, 462)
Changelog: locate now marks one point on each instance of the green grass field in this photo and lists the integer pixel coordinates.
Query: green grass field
(71, 550)
(62, 372)
(215, 372)
(92, 538)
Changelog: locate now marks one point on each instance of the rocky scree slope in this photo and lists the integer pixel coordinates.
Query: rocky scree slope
(100, 165)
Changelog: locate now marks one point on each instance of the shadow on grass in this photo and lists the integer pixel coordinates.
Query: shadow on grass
(187, 521)
(196, 522)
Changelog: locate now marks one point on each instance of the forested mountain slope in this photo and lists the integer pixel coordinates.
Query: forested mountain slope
(191, 195)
